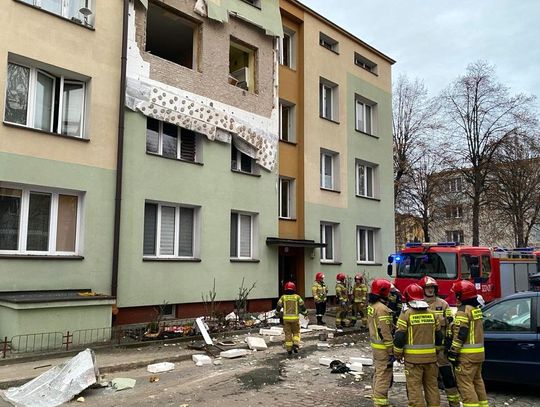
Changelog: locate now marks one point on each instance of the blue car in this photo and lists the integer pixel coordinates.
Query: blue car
(512, 331)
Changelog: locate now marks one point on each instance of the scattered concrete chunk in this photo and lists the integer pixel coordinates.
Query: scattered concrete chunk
(323, 345)
(275, 330)
(123, 383)
(325, 361)
(399, 377)
(160, 367)
(234, 353)
(304, 321)
(256, 343)
(356, 367)
(201, 360)
(362, 360)
(231, 317)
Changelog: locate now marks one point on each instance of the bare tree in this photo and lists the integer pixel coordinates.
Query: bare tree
(515, 190)
(412, 120)
(480, 115)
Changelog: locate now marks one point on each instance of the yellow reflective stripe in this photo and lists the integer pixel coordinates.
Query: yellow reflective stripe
(476, 313)
(471, 404)
(471, 350)
(378, 346)
(418, 319)
(398, 350)
(388, 343)
(420, 351)
(471, 333)
(448, 312)
(453, 397)
(380, 402)
(290, 318)
(385, 318)
(438, 312)
(402, 323)
(370, 311)
(483, 403)
(462, 319)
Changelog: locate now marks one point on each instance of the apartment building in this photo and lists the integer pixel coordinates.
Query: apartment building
(200, 157)
(59, 80)
(336, 211)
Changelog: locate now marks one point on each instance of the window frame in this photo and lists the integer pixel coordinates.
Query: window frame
(368, 176)
(198, 143)
(291, 114)
(253, 232)
(291, 35)
(365, 63)
(368, 232)
(532, 314)
(157, 242)
(328, 43)
(365, 106)
(324, 250)
(323, 170)
(453, 233)
(333, 104)
(57, 105)
(86, 21)
(291, 201)
(22, 239)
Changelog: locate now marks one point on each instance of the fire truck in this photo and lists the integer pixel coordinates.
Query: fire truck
(495, 272)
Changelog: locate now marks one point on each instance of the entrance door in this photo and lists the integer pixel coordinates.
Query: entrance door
(291, 268)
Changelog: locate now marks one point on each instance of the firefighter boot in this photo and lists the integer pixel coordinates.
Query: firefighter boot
(319, 320)
(295, 348)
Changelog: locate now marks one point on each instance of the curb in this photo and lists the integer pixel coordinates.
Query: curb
(311, 336)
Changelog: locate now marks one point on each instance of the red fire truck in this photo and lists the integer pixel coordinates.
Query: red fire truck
(495, 272)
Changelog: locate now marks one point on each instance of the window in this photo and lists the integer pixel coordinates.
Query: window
(328, 99)
(365, 245)
(170, 36)
(43, 100)
(80, 11)
(243, 233)
(454, 185)
(170, 230)
(365, 63)
(242, 65)
(286, 198)
(486, 266)
(328, 43)
(287, 51)
(171, 141)
(365, 179)
(437, 265)
(453, 211)
(454, 236)
(287, 121)
(330, 237)
(329, 170)
(364, 115)
(509, 316)
(39, 221)
(241, 162)
(254, 3)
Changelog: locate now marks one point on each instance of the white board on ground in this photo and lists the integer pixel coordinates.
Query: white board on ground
(160, 367)
(203, 331)
(234, 353)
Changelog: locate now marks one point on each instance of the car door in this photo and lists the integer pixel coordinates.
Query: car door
(511, 340)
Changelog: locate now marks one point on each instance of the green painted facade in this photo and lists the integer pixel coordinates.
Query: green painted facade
(374, 213)
(216, 190)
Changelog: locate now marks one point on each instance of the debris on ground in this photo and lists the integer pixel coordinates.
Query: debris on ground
(273, 331)
(81, 399)
(227, 343)
(57, 385)
(323, 345)
(325, 361)
(256, 343)
(123, 383)
(399, 377)
(160, 367)
(234, 353)
(362, 360)
(356, 367)
(304, 321)
(338, 366)
(231, 317)
(153, 379)
(203, 329)
(201, 360)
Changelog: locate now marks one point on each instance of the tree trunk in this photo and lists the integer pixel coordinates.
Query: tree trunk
(425, 228)
(476, 220)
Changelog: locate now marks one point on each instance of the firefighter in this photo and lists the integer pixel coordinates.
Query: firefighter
(320, 292)
(467, 347)
(359, 300)
(380, 335)
(342, 298)
(443, 313)
(417, 336)
(291, 305)
(395, 303)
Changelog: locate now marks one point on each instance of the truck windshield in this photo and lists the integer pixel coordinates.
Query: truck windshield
(436, 265)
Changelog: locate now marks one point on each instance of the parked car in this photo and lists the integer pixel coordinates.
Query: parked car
(512, 331)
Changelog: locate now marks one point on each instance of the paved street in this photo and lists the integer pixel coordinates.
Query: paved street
(270, 378)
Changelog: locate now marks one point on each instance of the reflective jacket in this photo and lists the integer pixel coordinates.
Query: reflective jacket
(291, 305)
(320, 291)
(468, 334)
(341, 293)
(380, 330)
(442, 311)
(417, 336)
(360, 293)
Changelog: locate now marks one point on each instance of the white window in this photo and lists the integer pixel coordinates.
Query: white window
(80, 11)
(243, 235)
(365, 179)
(38, 99)
(328, 43)
(454, 185)
(365, 245)
(39, 221)
(287, 121)
(329, 236)
(170, 231)
(171, 141)
(328, 99)
(364, 116)
(454, 211)
(287, 54)
(454, 236)
(329, 170)
(365, 63)
(286, 198)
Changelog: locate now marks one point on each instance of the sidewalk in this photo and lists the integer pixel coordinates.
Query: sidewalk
(121, 359)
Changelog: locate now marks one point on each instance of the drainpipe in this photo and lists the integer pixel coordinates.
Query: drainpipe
(120, 152)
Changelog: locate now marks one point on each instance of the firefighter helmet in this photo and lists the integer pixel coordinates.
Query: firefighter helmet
(289, 286)
(428, 281)
(341, 277)
(319, 276)
(414, 292)
(381, 287)
(464, 290)
(359, 277)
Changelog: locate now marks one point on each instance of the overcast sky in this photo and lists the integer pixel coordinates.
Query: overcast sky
(435, 40)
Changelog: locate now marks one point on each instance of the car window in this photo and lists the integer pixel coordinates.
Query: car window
(511, 315)
(486, 266)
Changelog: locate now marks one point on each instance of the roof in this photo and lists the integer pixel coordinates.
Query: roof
(276, 241)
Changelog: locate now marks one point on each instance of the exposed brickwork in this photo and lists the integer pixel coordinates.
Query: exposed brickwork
(209, 79)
